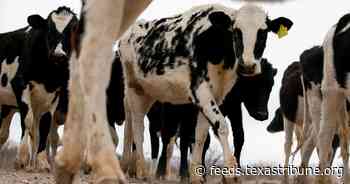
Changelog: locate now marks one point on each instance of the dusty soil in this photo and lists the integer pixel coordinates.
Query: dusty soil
(8, 175)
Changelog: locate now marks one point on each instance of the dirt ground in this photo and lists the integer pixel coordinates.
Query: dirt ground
(8, 175)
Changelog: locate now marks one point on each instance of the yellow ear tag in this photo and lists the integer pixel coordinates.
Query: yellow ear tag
(282, 32)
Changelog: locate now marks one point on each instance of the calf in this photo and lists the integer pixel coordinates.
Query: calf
(335, 91)
(253, 91)
(42, 44)
(189, 70)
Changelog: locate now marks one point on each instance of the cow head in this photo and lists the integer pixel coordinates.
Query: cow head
(255, 91)
(250, 27)
(49, 44)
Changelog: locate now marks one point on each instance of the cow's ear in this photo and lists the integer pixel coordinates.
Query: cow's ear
(36, 21)
(274, 71)
(220, 19)
(280, 26)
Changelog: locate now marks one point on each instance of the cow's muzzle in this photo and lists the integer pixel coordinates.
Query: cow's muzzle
(245, 69)
(260, 115)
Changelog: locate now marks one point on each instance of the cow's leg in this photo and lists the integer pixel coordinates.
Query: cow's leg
(54, 138)
(44, 130)
(139, 105)
(343, 130)
(210, 110)
(27, 118)
(114, 135)
(95, 61)
(185, 140)
(332, 103)
(288, 142)
(169, 154)
(6, 117)
(155, 123)
(128, 165)
(335, 146)
(162, 165)
(200, 137)
(237, 130)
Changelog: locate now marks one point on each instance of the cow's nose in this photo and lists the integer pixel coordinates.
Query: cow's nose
(246, 69)
(261, 115)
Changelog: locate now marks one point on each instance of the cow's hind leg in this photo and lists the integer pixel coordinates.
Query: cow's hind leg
(332, 103)
(288, 141)
(344, 141)
(138, 105)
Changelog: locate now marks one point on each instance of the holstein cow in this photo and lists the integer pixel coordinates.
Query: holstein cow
(335, 91)
(85, 128)
(168, 119)
(25, 85)
(300, 98)
(253, 91)
(202, 49)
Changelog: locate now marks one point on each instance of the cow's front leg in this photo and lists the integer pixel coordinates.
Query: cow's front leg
(197, 169)
(42, 162)
(211, 111)
(138, 105)
(27, 120)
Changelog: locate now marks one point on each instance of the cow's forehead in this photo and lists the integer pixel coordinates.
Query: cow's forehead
(61, 19)
(250, 17)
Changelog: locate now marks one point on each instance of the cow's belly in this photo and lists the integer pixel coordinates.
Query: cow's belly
(7, 96)
(173, 86)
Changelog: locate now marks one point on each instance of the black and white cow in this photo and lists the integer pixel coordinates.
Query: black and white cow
(300, 99)
(34, 72)
(169, 119)
(335, 91)
(201, 51)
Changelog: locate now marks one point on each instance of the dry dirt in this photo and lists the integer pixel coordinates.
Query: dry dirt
(8, 175)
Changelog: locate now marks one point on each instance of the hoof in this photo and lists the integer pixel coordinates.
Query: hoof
(297, 180)
(322, 180)
(231, 180)
(141, 172)
(43, 163)
(110, 181)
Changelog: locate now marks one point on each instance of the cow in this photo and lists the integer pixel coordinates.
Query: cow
(85, 128)
(169, 119)
(197, 65)
(25, 86)
(335, 91)
(300, 99)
